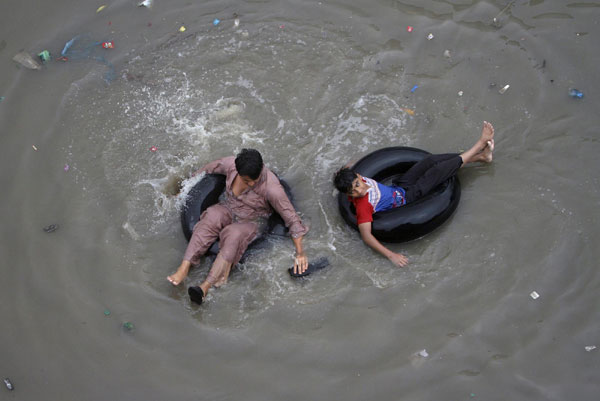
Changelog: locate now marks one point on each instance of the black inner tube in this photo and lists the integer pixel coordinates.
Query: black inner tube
(414, 219)
(206, 193)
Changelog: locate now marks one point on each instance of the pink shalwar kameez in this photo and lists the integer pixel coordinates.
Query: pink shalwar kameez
(235, 220)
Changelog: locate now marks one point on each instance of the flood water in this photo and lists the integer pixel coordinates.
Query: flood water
(312, 85)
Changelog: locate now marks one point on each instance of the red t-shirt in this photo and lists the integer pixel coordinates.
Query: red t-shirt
(364, 209)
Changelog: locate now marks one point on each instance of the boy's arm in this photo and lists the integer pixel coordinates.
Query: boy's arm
(396, 258)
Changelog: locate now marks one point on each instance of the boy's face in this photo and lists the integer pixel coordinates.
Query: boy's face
(359, 187)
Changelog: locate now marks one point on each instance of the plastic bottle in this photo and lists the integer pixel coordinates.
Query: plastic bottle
(575, 93)
(8, 384)
(108, 45)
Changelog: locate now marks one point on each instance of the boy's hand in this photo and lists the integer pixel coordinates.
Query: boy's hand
(398, 259)
(300, 263)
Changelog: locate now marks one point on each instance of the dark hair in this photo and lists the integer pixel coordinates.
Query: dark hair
(343, 180)
(249, 163)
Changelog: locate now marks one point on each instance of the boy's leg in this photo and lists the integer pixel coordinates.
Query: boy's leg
(233, 241)
(434, 176)
(418, 169)
(206, 231)
(432, 171)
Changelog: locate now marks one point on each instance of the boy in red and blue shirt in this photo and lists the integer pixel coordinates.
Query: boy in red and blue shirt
(369, 196)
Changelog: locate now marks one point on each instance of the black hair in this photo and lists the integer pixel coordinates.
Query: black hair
(343, 180)
(249, 163)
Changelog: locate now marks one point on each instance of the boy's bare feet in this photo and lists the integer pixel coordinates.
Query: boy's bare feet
(180, 274)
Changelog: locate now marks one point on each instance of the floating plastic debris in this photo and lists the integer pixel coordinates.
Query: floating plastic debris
(423, 353)
(460, 93)
(106, 312)
(216, 21)
(245, 34)
(236, 22)
(34, 148)
(66, 168)
(153, 149)
(8, 384)
(414, 88)
(281, 26)
(27, 61)
(589, 348)
(44, 56)
(575, 93)
(108, 45)
(430, 36)
(409, 112)
(128, 326)
(534, 295)
(2, 98)
(100, 8)
(447, 53)
(409, 28)
(51, 228)
(145, 3)
(182, 28)
(504, 89)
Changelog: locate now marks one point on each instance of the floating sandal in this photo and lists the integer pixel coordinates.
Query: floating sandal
(196, 294)
(318, 264)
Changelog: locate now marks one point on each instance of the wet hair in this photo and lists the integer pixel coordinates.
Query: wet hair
(249, 163)
(343, 180)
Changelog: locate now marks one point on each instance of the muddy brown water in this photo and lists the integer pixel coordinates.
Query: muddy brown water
(311, 85)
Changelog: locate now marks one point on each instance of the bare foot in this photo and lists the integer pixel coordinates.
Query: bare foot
(487, 133)
(487, 153)
(180, 274)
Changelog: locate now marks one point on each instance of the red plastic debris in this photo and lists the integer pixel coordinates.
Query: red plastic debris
(108, 45)
(281, 26)
(153, 149)
(409, 28)
(63, 58)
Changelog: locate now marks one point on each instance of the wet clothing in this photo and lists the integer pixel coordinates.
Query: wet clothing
(417, 182)
(235, 221)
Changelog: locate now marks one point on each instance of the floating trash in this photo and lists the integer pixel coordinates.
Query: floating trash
(66, 167)
(27, 61)
(575, 93)
(182, 28)
(34, 148)
(504, 89)
(409, 28)
(128, 326)
(430, 36)
(447, 53)
(106, 312)
(460, 93)
(82, 47)
(414, 88)
(108, 45)
(51, 228)
(589, 348)
(423, 353)
(1, 98)
(409, 112)
(8, 384)
(44, 56)
(153, 149)
(534, 295)
(281, 26)
(236, 22)
(216, 21)
(145, 3)
(100, 8)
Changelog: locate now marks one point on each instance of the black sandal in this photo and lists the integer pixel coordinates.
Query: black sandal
(312, 267)
(196, 294)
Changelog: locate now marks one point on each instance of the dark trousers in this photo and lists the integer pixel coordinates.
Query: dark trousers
(427, 174)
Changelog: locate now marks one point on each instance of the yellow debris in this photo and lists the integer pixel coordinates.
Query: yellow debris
(100, 8)
(182, 28)
(409, 112)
